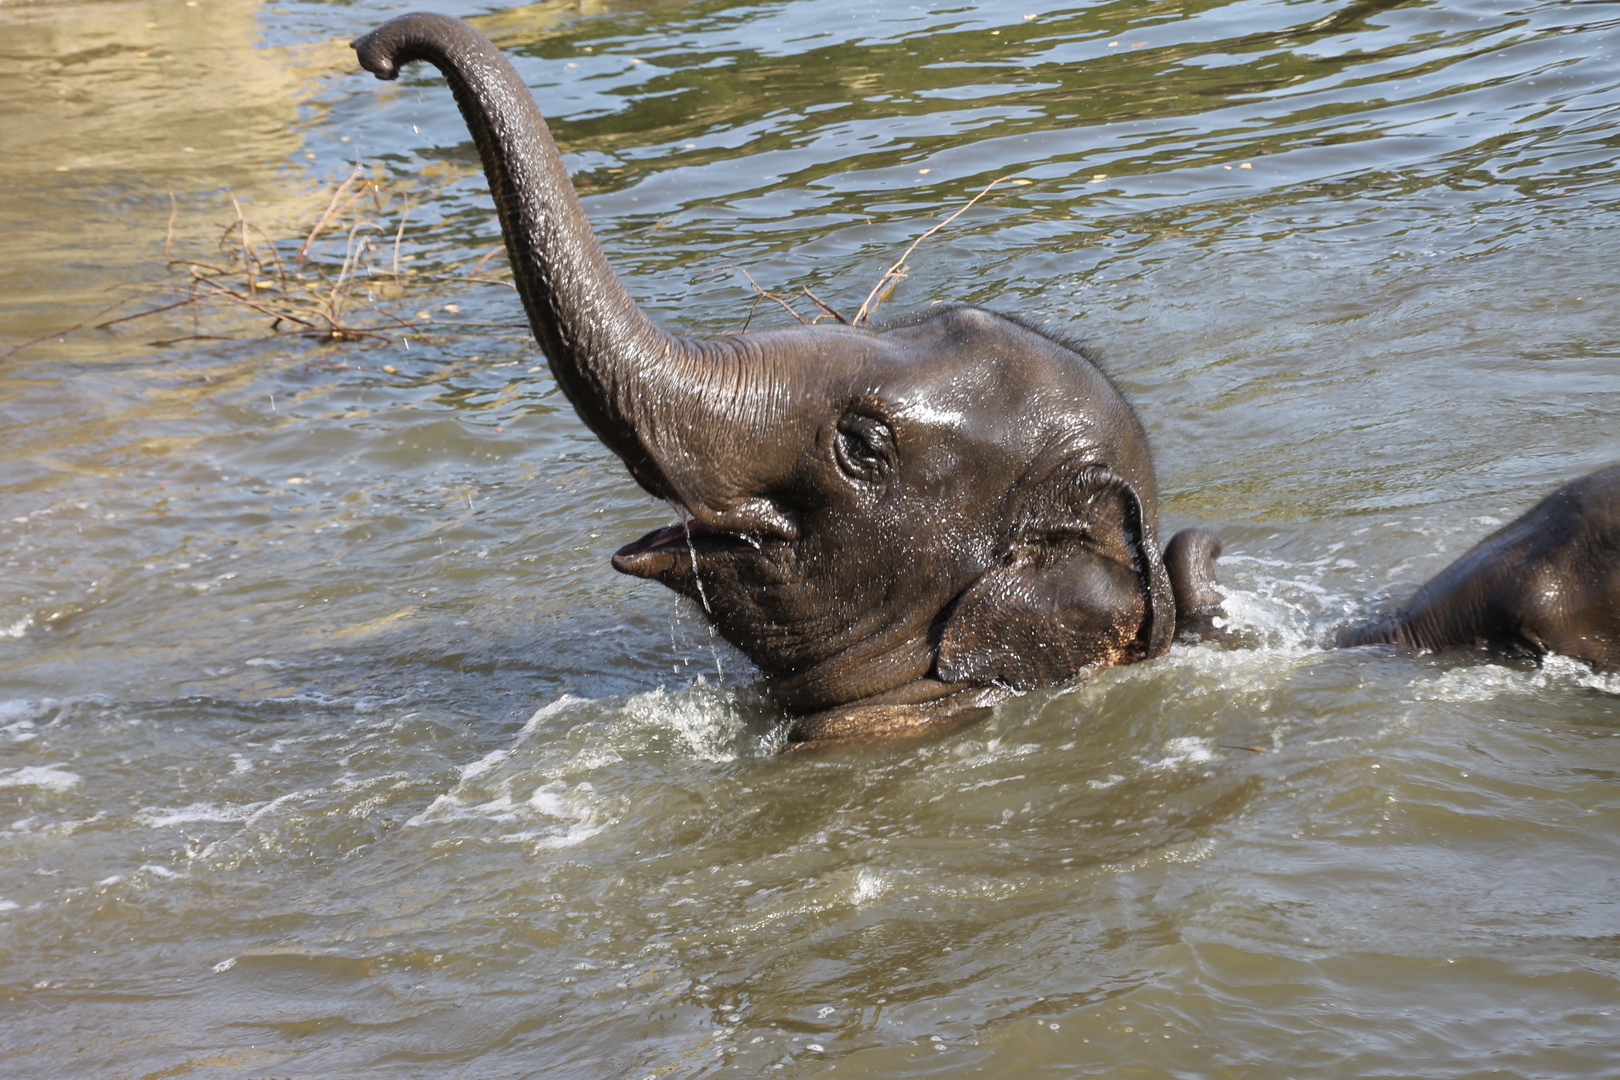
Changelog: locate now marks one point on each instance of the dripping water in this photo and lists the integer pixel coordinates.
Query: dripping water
(686, 526)
(691, 551)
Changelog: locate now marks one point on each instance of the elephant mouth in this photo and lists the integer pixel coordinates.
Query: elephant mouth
(659, 552)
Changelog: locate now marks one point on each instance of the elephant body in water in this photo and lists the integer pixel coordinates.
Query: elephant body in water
(892, 523)
(1548, 582)
(895, 524)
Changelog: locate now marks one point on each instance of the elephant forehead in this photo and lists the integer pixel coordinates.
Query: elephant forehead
(1013, 407)
(963, 385)
(965, 361)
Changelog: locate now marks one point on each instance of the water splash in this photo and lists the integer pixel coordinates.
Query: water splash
(1181, 751)
(703, 595)
(869, 885)
(42, 777)
(714, 650)
(1285, 606)
(1492, 682)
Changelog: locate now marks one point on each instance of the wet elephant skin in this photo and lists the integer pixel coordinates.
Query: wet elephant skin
(1549, 582)
(891, 522)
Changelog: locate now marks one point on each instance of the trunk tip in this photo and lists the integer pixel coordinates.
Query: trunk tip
(421, 35)
(375, 56)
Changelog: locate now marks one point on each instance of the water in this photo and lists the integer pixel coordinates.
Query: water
(331, 746)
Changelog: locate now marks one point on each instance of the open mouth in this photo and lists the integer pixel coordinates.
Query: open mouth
(657, 553)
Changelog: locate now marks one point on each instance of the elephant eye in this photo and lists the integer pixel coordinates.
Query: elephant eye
(863, 445)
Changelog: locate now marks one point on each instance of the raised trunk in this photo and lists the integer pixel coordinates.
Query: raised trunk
(609, 359)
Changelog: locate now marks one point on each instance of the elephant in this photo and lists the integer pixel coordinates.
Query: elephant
(897, 524)
(1549, 582)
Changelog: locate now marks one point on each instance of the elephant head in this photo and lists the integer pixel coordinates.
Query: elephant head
(880, 519)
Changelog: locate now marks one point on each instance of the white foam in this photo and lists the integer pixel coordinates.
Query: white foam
(1487, 682)
(161, 817)
(1287, 604)
(549, 800)
(554, 816)
(1275, 611)
(441, 805)
(542, 840)
(578, 810)
(259, 812)
(1484, 682)
(17, 629)
(707, 720)
(484, 764)
(44, 777)
(549, 711)
(533, 789)
(1562, 667)
(869, 885)
(1183, 750)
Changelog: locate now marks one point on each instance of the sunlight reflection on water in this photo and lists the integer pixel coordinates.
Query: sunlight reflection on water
(331, 745)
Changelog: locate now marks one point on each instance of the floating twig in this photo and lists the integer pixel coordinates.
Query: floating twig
(399, 234)
(148, 311)
(247, 248)
(488, 255)
(168, 237)
(783, 299)
(896, 272)
(9, 353)
(331, 209)
(312, 298)
(194, 337)
(826, 308)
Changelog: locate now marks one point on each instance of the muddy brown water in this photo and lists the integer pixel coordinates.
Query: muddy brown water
(330, 745)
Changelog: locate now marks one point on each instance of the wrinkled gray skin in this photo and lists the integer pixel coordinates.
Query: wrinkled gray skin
(1547, 583)
(894, 524)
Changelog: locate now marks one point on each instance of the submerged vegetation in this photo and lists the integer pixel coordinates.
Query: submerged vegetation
(345, 278)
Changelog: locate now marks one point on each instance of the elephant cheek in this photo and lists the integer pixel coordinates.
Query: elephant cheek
(1042, 622)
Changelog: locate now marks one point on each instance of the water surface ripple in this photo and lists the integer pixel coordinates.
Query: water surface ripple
(330, 745)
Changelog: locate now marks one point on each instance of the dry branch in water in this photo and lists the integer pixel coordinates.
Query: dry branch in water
(783, 299)
(898, 270)
(880, 292)
(332, 291)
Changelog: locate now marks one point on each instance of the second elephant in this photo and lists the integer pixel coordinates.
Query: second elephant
(1548, 582)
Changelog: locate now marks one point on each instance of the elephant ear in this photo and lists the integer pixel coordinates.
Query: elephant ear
(1079, 584)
